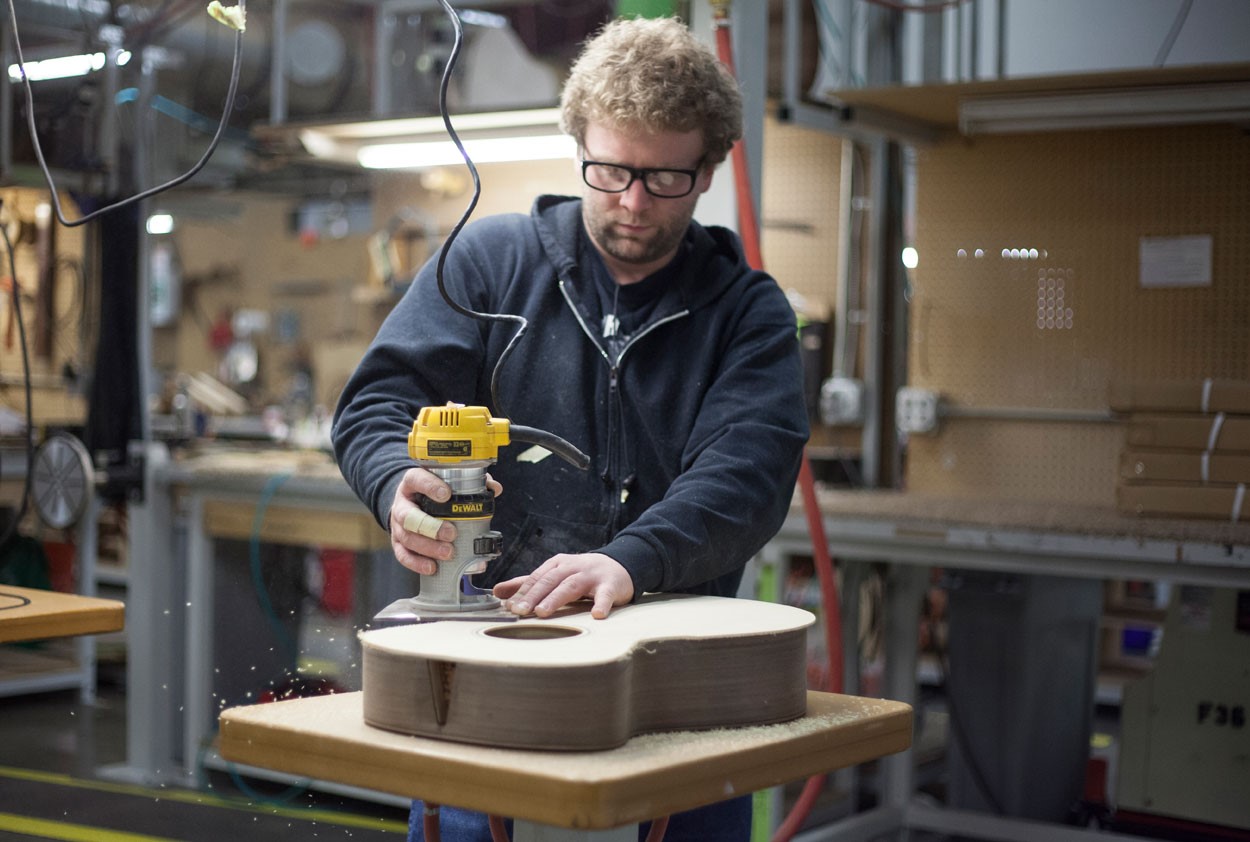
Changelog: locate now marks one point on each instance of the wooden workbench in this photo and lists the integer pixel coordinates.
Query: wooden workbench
(653, 775)
(30, 614)
(322, 510)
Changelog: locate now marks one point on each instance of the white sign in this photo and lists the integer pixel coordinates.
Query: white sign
(1175, 261)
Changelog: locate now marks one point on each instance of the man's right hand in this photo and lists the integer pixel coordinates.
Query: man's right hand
(417, 552)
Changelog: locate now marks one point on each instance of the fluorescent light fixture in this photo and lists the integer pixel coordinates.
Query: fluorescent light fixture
(160, 223)
(484, 151)
(63, 67)
(1173, 105)
(519, 135)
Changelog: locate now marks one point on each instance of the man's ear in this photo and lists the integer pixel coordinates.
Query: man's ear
(703, 181)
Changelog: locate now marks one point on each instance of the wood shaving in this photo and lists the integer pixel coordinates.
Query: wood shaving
(233, 16)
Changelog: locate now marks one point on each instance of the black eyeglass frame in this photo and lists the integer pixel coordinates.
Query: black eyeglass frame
(641, 173)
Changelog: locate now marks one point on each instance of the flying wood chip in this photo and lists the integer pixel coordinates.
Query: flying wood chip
(232, 17)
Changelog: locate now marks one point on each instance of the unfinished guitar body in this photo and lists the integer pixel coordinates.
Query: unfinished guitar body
(667, 662)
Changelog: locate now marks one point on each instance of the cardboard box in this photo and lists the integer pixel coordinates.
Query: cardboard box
(1184, 466)
(1221, 502)
(1203, 396)
(1219, 432)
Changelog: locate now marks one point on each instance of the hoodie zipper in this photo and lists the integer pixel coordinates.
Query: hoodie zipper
(614, 446)
(594, 340)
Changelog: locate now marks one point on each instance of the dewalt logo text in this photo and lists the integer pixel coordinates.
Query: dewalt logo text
(467, 508)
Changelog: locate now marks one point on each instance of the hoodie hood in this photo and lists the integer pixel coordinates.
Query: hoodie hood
(558, 220)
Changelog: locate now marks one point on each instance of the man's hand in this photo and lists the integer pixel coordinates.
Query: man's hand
(564, 578)
(419, 552)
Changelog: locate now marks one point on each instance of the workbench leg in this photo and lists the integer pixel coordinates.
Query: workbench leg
(199, 709)
(905, 589)
(847, 781)
(523, 831)
(88, 532)
(154, 606)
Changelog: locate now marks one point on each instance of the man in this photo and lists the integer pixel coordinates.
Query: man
(652, 346)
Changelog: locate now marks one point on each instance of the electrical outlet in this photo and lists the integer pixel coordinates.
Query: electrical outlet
(842, 401)
(916, 410)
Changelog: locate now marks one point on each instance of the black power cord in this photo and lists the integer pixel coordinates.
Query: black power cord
(152, 191)
(551, 441)
(20, 601)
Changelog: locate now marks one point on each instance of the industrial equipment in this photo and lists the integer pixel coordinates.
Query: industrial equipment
(1185, 738)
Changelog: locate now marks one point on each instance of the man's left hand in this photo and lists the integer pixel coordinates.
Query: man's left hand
(564, 578)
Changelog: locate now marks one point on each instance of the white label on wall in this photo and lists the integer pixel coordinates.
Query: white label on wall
(1175, 261)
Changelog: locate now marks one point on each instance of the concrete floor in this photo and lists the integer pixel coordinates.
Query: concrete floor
(55, 753)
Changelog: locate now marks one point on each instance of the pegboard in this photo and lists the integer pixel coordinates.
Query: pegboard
(1027, 294)
(799, 212)
(1060, 462)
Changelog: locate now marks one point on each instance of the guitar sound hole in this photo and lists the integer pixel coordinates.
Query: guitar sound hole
(532, 632)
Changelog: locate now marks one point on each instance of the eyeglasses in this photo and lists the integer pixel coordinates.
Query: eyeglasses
(662, 183)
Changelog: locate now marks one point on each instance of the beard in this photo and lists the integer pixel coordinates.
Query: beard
(657, 243)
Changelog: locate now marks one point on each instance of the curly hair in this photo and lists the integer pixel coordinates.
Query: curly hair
(653, 75)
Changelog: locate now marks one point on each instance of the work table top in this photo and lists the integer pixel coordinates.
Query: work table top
(652, 775)
(32, 614)
(920, 510)
(238, 468)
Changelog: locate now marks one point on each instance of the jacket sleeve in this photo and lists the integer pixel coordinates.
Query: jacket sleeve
(423, 354)
(740, 463)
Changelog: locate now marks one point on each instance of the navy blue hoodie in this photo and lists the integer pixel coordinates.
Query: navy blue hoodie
(695, 427)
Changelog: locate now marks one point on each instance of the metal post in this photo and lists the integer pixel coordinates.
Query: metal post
(750, 43)
(277, 65)
(110, 143)
(85, 645)
(200, 712)
(153, 620)
(875, 377)
(1001, 57)
(905, 588)
(383, 45)
(792, 53)
(7, 58)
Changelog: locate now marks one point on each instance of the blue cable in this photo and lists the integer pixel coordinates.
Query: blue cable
(262, 594)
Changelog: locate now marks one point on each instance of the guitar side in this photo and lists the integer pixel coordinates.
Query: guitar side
(667, 662)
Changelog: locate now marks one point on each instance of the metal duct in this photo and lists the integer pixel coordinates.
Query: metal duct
(327, 50)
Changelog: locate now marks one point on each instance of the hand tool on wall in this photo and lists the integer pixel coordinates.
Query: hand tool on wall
(45, 290)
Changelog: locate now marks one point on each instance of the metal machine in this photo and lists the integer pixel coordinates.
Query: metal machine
(457, 444)
(1185, 728)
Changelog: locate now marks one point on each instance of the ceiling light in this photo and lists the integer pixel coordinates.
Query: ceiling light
(518, 135)
(63, 67)
(1172, 105)
(481, 151)
(160, 223)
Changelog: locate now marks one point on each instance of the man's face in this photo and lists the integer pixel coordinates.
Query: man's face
(638, 233)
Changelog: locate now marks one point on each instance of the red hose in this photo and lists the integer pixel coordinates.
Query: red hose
(749, 231)
(429, 823)
(748, 225)
(658, 828)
